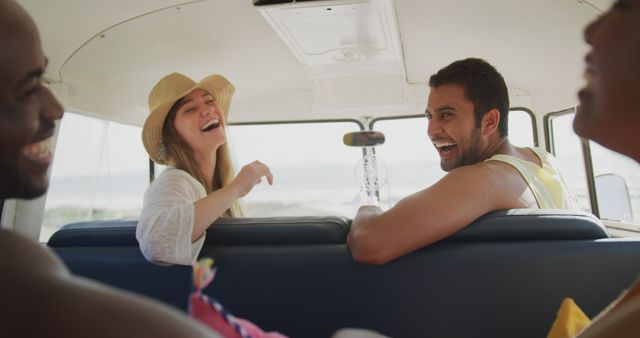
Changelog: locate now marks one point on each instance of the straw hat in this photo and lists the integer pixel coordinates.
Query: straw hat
(165, 93)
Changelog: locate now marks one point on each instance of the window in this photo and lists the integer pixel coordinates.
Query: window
(408, 157)
(616, 177)
(522, 128)
(566, 148)
(313, 170)
(411, 162)
(617, 185)
(100, 171)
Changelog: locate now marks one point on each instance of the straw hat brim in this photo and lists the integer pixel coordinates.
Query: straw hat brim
(166, 93)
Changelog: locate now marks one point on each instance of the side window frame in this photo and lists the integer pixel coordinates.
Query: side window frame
(534, 123)
(586, 155)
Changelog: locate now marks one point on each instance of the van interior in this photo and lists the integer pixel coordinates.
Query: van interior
(310, 77)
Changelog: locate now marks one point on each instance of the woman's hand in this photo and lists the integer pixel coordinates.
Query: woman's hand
(208, 209)
(250, 175)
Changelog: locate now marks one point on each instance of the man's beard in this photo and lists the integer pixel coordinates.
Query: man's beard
(470, 156)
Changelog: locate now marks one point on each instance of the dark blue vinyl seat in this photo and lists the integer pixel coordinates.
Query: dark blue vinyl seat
(502, 276)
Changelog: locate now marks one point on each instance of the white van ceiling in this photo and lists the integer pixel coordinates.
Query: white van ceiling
(104, 56)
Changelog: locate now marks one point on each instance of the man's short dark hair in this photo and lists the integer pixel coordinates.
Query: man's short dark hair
(482, 84)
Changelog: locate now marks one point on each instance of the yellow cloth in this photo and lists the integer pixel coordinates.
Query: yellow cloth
(546, 182)
(569, 321)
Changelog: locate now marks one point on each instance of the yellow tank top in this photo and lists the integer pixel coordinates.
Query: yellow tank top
(546, 182)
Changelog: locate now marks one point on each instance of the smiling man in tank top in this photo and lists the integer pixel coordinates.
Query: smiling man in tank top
(467, 109)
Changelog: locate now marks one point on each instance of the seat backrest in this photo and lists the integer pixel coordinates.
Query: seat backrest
(226, 231)
(533, 224)
(502, 276)
(512, 224)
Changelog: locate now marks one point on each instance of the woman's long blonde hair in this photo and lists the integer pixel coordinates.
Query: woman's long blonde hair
(180, 155)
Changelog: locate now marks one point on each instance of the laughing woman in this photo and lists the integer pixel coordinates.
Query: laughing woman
(185, 130)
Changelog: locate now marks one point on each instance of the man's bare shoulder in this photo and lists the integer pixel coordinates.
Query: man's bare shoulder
(497, 168)
(22, 256)
(34, 275)
(482, 173)
(498, 184)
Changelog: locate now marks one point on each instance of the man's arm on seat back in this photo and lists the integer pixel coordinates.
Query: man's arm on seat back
(434, 213)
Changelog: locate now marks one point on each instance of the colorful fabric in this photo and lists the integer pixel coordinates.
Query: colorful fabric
(210, 312)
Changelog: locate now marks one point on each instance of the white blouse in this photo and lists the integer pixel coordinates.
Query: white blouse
(167, 218)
